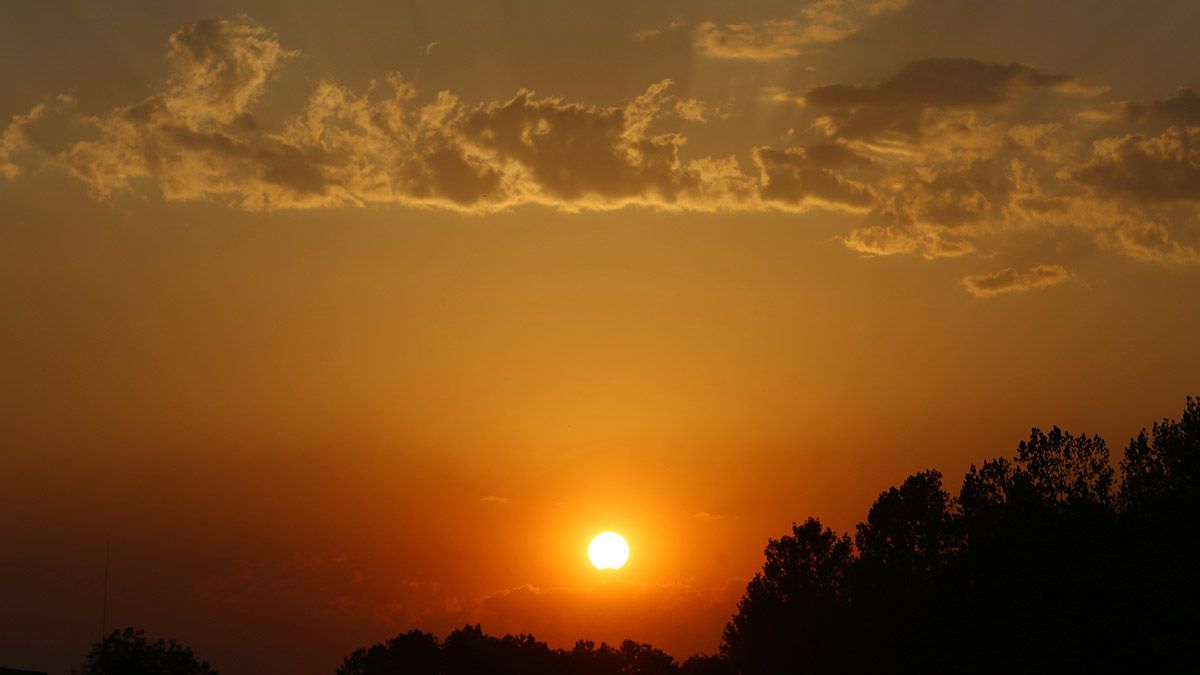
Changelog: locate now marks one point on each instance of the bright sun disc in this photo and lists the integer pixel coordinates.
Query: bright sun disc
(608, 551)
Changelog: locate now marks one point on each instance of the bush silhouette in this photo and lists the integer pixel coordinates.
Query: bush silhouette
(128, 652)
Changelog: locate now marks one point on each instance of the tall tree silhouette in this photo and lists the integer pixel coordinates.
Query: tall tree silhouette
(794, 614)
(906, 546)
(1162, 468)
(910, 532)
(1160, 496)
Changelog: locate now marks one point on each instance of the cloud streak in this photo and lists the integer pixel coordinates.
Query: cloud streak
(1011, 280)
(820, 23)
(1182, 108)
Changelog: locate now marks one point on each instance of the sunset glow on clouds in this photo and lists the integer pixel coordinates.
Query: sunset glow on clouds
(942, 158)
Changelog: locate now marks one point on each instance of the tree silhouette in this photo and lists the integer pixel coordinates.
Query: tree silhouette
(707, 665)
(1040, 564)
(794, 612)
(1161, 501)
(469, 651)
(411, 653)
(128, 652)
(642, 659)
(910, 531)
(1162, 469)
(588, 659)
(905, 547)
(1036, 567)
(1065, 470)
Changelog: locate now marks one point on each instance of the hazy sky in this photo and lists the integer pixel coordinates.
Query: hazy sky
(344, 319)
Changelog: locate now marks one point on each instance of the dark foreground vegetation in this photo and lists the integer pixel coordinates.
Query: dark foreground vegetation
(1043, 563)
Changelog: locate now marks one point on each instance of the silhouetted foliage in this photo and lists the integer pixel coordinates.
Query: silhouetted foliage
(1036, 567)
(470, 651)
(1162, 469)
(707, 665)
(910, 532)
(793, 613)
(128, 652)
(1063, 470)
(1041, 564)
(412, 653)
(1160, 498)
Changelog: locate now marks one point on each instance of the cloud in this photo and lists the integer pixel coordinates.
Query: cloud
(951, 167)
(1161, 168)
(1182, 108)
(654, 32)
(26, 138)
(806, 177)
(1012, 280)
(906, 104)
(548, 150)
(198, 139)
(929, 242)
(943, 158)
(952, 162)
(218, 68)
(768, 40)
(936, 207)
(493, 499)
(1149, 242)
(15, 140)
(819, 23)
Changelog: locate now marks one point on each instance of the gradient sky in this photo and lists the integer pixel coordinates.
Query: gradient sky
(347, 319)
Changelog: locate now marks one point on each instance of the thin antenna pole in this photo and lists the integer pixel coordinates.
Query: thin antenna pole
(104, 606)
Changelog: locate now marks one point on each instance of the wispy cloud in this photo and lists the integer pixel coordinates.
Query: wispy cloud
(816, 24)
(1182, 108)
(1011, 280)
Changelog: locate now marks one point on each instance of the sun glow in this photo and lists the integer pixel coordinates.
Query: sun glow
(608, 551)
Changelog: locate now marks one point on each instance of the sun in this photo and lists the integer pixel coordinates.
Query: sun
(608, 551)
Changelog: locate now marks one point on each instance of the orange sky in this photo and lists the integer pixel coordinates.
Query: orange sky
(348, 320)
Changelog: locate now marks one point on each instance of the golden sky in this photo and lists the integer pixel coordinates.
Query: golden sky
(345, 319)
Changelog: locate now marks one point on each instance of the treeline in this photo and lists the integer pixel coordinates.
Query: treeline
(470, 651)
(1041, 564)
